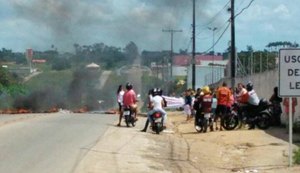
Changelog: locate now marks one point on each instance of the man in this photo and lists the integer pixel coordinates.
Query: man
(241, 96)
(252, 102)
(129, 100)
(205, 103)
(157, 103)
(223, 98)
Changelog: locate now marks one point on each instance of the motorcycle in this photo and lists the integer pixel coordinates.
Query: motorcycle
(129, 116)
(157, 125)
(276, 111)
(259, 115)
(202, 122)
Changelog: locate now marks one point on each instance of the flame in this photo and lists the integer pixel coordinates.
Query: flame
(15, 111)
(24, 111)
(82, 110)
(52, 110)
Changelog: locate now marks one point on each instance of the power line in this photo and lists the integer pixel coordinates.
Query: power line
(172, 31)
(189, 44)
(244, 8)
(218, 38)
(189, 40)
(219, 30)
(215, 16)
(240, 4)
(229, 25)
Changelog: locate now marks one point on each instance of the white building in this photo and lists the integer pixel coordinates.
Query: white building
(209, 69)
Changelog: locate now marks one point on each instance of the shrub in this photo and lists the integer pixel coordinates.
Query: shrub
(296, 156)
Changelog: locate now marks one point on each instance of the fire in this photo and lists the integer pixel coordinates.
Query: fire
(15, 111)
(52, 110)
(82, 110)
(24, 111)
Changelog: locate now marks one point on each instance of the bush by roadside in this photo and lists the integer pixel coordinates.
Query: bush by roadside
(297, 156)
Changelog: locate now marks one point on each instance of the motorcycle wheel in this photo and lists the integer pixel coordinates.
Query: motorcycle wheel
(198, 129)
(205, 124)
(158, 128)
(133, 123)
(230, 122)
(263, 120)
(127, 120)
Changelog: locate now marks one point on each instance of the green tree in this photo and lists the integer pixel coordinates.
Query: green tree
(9, 83)
(131, 51)
(61, 64)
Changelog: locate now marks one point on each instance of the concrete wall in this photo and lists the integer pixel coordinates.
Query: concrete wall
(179, 70)
(204, 75)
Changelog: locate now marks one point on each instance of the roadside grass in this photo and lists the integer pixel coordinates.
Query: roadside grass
(56, 80)
(296, 156)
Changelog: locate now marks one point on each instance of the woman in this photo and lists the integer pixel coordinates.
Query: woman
(188, 104)
(120, 93)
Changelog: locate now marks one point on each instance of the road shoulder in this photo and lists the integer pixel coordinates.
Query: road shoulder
(182, 149)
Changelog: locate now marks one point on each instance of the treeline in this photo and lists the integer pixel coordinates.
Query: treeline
(282, 44)
(109, 57)
(7, 55)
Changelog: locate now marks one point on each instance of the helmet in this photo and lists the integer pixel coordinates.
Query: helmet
(157, 91)
(150, 92)
(249, 86)
(206, 90)
(128, 86)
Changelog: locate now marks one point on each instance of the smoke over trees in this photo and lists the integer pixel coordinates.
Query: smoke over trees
(65, 22)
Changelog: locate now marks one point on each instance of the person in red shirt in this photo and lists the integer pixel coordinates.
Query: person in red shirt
(223, 99)
(129, 100)
(241, 96)
(205, 101)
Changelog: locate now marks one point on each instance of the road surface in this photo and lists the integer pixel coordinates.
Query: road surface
(48, 143)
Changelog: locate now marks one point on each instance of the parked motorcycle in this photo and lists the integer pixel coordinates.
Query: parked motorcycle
(275, 111)
(129, 116)
(157, 125)
(259, 115)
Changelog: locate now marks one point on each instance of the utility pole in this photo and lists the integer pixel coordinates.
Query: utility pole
(213, 29)
(172, 31)
(194, 46)
(233, 58)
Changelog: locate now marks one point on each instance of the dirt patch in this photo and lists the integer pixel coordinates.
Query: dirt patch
(180, 149)
(236, 151)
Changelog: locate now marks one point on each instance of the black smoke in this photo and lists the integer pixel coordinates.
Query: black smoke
(82, 92)
(112, 21)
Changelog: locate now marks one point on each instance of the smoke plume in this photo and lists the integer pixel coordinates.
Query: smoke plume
(111, 21)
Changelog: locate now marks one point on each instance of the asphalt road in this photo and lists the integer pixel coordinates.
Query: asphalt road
(49, 143)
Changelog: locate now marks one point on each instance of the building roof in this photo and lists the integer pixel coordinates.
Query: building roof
(184, 60)
(92, 65)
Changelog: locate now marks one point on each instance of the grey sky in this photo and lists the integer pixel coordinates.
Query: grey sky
(38, 24)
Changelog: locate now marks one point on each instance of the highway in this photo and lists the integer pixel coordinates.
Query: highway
(48, 143)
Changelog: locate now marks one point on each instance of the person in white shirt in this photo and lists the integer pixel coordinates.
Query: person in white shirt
(252, 98)
(157, 104)
(253, 102)
(120, 93)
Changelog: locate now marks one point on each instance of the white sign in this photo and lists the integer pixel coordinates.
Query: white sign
(289, 72)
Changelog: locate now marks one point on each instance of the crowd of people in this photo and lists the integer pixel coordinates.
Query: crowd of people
(215, 101)
(128, 98)
(218, 101)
